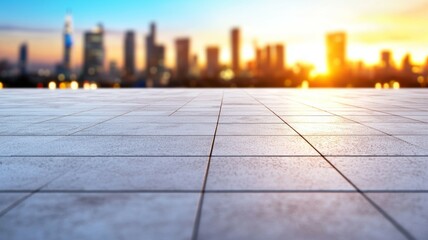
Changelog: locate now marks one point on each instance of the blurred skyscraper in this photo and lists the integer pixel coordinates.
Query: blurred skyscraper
(23, 58)
(129, 58)
(182, 62)
(151, 61)
(386, 59)
(114, 73)
(236, 50)
(68, 44)
(213, 62)
(267, 65)
(259, 61)
(386, 66)
(336, 53)
(279, 58)
(155, 61)
(93, 62)
(407, 65)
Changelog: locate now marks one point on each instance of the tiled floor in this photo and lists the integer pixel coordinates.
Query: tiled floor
(214, 164)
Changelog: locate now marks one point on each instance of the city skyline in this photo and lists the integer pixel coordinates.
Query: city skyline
(300, 46)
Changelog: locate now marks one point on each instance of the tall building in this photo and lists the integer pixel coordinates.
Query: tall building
(268, 60)
(156, 73)
(194, 71)
(279, 58)
(336, 53)
(182, 60)
(151, 59)
(407, 66)
(129, 58)
(386, 59)
(213, 62)
(93, 57)
(236, 50)
(23, 59)
(259, 61)
(68, 44)
(114, 73)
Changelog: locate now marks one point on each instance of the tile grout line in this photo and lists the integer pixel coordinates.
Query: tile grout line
(185, 104)
(368, 126)
(96, 124)
(47, 191)
(31, 193)
(197, 222)
(360, 123)
(398, 226)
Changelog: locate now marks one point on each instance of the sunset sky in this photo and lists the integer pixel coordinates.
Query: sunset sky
(372, 25)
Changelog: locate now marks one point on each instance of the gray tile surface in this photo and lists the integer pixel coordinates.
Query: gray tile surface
(8, 199)
(293, 215)
(385, 173)
(409, 209)
(131, 173)
(213, 164)
(364, 145)
(261, 145)
(124, 146)
(274, 173)
(101, 216)
(32, 173)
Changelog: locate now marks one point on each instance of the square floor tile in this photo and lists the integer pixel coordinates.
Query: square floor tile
(129, 173)
(158, 129)
(274, 173)
(262, 146)
(124, 146)
(101, 216)
(384, 173)
(409, 209)
(31, 173)
(363, 145)
(331, 129)
(292, 216)
(255, 130)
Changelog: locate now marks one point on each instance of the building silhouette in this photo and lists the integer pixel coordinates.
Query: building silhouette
(23, 59)
(93, 57)
(279, 58)
(386, 71)
(182, 60)
(259, 62)
(406, 65)
(151, 61)
(336, 53)
(155, 61)
(386, 59)
(68, 45)
(129, 55)
(267, 60)
(236, 50)
(212, 62)
(114, 73)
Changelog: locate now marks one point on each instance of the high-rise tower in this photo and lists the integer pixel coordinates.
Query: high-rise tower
(182, 47)
(93, 57)
(23, 58)
(236, 50)
(68, 43)
(129, 54)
